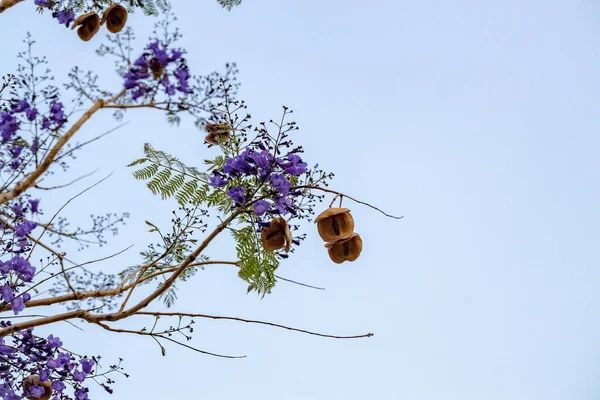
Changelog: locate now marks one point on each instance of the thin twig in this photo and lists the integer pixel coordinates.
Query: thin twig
(108, 328)
(250, 321)
(67, 184)
(345, 195)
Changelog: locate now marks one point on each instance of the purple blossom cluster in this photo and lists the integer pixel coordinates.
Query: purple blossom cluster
(270, 173)
(158, 64)
(17, 270)
(64, 17)
(32, 355)
(10, 123)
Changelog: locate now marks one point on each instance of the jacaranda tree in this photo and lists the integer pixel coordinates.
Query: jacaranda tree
(255, 180)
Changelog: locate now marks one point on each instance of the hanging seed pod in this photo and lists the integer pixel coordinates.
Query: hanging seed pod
(115, 17)
(346, 249)
(278, 236)
(217, 133)
(89, 25)
(335, 224)
(35, 380)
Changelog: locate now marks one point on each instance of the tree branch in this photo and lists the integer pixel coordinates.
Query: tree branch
(30, 181)
(250, 321)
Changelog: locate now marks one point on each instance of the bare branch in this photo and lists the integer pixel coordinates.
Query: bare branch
(344, 195)
(250, 321)
(108, 328)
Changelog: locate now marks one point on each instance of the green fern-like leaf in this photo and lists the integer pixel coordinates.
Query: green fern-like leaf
(229, 4)
(257, 266)
(170, 177)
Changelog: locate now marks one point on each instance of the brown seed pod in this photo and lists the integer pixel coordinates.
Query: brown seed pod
(335, 224)
(278, 236)
(89, 25)
(217, 133)
(346, 249)
(35, 380)
(115, 17)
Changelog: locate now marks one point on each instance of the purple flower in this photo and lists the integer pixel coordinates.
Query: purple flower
(33, 205)
(6, 293)
(53, 342)
(261, 207)
(262, 159)
(169, 88)
(45, 123)
(58, 386)
(238, 165)
(57, 113)
(218, 181)
(78, 376)
(8, 126)
(16, 151)
(284, 205)
(52, 363)
(36, 391)
(279, 182)
(17, 208)
(237, 195)
(25, 228)
(175, 55)
(17, 305)
(182, 74)
(294, 166)
(141, 62)
(31, 114)
(87, 365)
(21, 266)
(160, 54)
(63, 358)
(131, 83)
(21, 106)
(81, 394)
(44, 375)
(64, 17)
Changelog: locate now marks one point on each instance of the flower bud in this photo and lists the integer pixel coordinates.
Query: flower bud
(89, 25)
(35, 380)
(115, 17)
(335, 224)
(217, 133)
(346, 249)
(278, 236)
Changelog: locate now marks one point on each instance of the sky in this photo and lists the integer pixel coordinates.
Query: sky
(476, 121)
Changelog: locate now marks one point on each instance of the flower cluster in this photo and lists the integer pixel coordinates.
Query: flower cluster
(17, 270)
(45, 364)
(158, 67)
(266, 171)
(10, 124)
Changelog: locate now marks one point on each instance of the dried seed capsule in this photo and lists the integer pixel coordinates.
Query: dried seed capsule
(217, 133)
(335, 224)
(89, 25)
(346, 249)
(35, 380)
(115, 17)
(278, 236)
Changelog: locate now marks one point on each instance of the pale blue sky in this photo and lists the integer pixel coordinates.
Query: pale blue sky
(477, 121)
